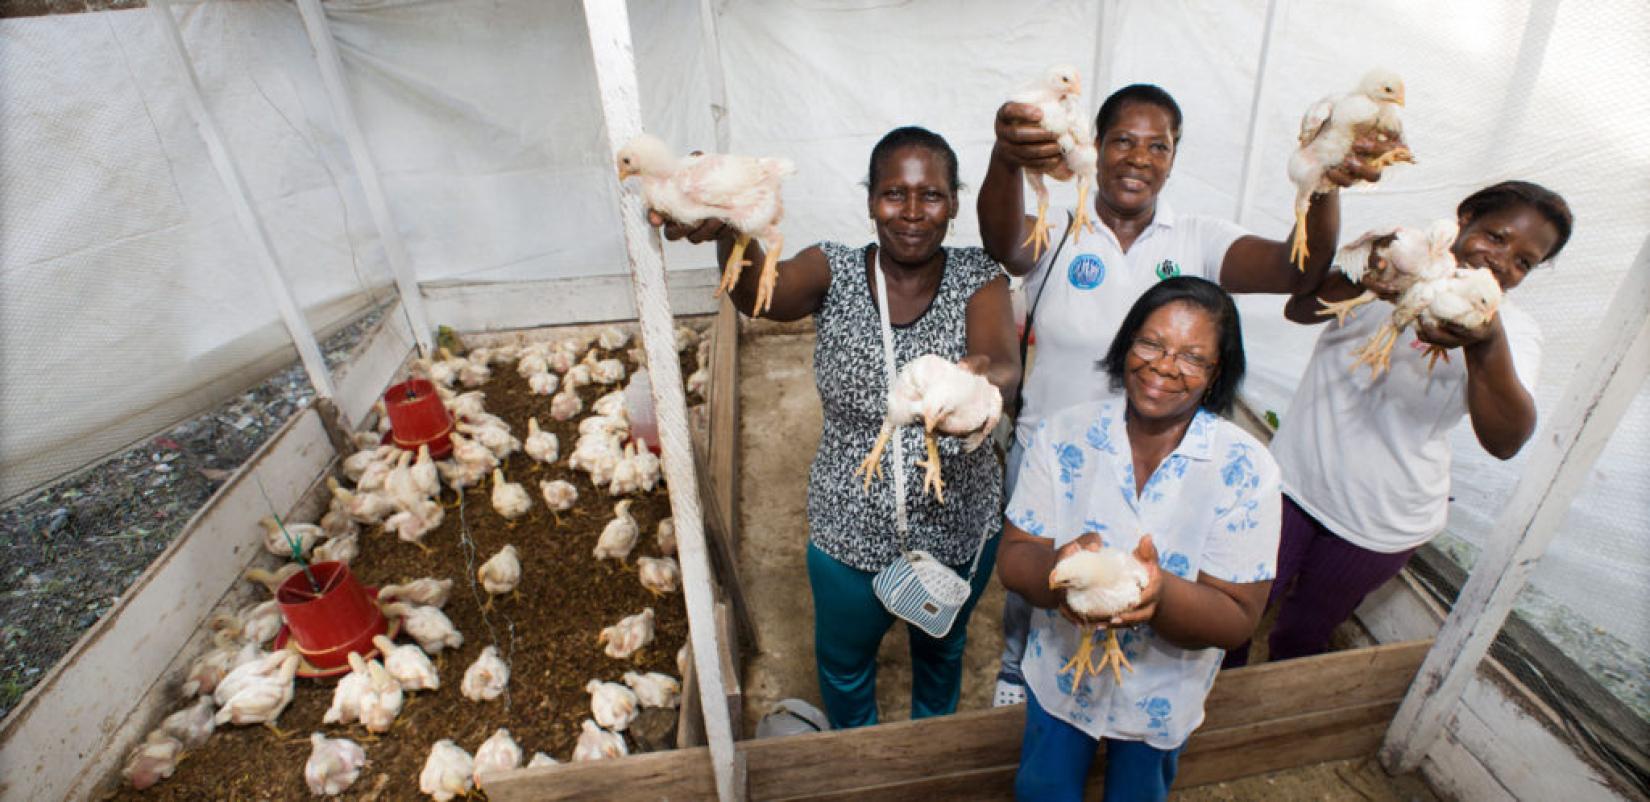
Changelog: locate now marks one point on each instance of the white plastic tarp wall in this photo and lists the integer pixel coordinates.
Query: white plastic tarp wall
(483, 119)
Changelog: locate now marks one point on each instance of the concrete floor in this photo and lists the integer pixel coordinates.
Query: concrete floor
(779, 430)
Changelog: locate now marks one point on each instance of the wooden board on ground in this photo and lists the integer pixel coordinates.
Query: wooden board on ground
(1259, 719)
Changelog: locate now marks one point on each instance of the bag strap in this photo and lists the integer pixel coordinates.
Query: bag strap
(1031, 314)
(901, 523)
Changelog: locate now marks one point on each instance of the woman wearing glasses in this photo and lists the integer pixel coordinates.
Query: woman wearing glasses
(1197, 501)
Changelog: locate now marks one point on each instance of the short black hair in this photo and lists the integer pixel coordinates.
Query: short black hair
(1208, 296)
(1507, 194)
(1149, 94)
(914, 135)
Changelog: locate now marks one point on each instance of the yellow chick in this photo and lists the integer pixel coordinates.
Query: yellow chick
(596, 743)
(659, 575)
(486, 678)
(408, 664)
(447, 772)
(629, 636)
(333, 764)
(500, 574)
(619, 537)
(497, 753)
(612, 705)
(654, 689)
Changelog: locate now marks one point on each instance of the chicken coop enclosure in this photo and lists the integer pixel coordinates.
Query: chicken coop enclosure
(216, 187)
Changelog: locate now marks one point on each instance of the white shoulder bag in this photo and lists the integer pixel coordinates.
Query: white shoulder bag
(915, 586)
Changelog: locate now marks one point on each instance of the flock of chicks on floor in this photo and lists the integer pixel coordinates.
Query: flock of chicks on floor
(238, 682)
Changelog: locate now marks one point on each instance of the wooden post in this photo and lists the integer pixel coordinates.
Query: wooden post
(332, 78)
(609, 27)
(1248, 176)
(303, 337)
(1561, 457)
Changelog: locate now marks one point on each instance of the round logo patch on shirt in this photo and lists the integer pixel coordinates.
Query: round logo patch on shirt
(1168, 268)
(1087, 271)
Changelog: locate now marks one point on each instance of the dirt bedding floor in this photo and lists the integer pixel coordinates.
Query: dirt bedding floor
(779, 428)
(548, 634)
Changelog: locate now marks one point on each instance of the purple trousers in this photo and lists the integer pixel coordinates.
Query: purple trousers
(1321, 580)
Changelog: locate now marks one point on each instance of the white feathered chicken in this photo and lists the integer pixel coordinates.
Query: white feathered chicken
(1328, 130)
(1465, 297)
(1386, 262)
(333, 764)
(1099, 584)
(946, 398)
(1057, 95)
(741, 191)
(447, 771)
(497, 753)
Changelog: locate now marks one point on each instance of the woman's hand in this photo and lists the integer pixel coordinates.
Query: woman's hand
(1142, 613)
(1359, 164)
(1450, 335)
(704, 231)
(1022, 141)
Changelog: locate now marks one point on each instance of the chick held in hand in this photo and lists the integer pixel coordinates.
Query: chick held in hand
(741, 191)
(1327, 133)
(1099, 584)
(946, 398)
(1057, 96)
(500, 574)
(1386, 262)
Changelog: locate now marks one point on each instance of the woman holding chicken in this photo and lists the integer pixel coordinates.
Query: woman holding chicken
(1195, 498)
(1366, 459)
(950, 302)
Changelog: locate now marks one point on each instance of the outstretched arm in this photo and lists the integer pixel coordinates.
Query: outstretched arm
(804, 279)
(993, 350)
(1021, 142)
(1502, 410)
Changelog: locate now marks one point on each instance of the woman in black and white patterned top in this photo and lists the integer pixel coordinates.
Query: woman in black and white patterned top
(952, 302)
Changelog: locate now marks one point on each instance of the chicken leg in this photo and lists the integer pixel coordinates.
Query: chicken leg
(931, 479)
(1038, 240)
(1341, 309)
(735, 265)
(773, 241)
(1114, 657)
(871, 466)
(1393, 156)
(1079, 661)
(1377, 353)
(1435, 353)
(1080, 221)
(1297, 246)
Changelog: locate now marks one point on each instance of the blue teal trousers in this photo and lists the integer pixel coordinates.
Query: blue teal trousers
(1055, 758)
(849, 623)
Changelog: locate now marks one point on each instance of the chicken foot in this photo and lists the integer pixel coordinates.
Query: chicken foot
(772, 243)
(931, 479)
(1297, 246)
(1079, 661)
(871, 466)
(1080, 221)
(1342, 309)
(1377, 353)
(1038, 239)
(736, 264)
(1113, 657)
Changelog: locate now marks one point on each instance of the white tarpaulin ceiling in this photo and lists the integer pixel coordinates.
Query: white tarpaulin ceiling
(130, 298)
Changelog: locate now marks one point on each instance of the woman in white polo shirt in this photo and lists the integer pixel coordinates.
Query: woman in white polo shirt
(1079, 292)
(1366, 461)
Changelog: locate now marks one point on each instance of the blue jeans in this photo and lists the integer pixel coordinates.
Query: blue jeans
(1055, 759)
(1016, 610)
(849, 622)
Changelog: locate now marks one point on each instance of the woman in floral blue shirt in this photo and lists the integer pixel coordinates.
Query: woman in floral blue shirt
(1193, 496)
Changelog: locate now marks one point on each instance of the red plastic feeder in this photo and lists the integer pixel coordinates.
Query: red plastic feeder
(327, 626)
(418, 418)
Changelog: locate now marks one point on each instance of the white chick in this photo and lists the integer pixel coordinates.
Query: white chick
(355, 463)
(365, 507)
(260, 666)
(497, 753)
(271, 580)
(486, 678)
(468, 405)
(540, 760)
(619, 537)
(576, 377)
(381, 697)
(470, 453)
(698, 380)
(946, 398)
(411, 525)
(610, 405)
(459, 475)
(1098, 585)
(254, 623)
(659, 575)
(596, 454)
(565, 404)
(612, 705)
(429, 626)
(337, 521)
(1386, 262)
(447, 772)
(532, 363)
(540, 445)
(333, 764)
(408, 664)
(564, 355)
(341, 549)
(510, 499)
(474, 373)
(346, 695)
(152, 761)
(559, 495)
(615, 425)
(685, 338)
(373, 477)
(1328, 130)
(742, 191)
(192, 725)
(545, 383)
(500, 574)
(429, 591)
(425, 478)
(596, 743)
(607, 371)
(665, 535)
(280, 535)
(613, 338)
(210, 668)
(1057, 94)
(496, 439)
(261, 698)
(1466, 297)
(632, 634)
(399, 484)
(654, 689)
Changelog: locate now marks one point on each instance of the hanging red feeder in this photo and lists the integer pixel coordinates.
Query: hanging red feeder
(418, 418)
(326, 626)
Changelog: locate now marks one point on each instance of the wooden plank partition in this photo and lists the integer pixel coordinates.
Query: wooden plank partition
(1259, 719)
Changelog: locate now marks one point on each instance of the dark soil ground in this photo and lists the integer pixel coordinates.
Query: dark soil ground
(548, 634)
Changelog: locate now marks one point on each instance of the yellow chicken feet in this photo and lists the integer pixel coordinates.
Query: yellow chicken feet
(1377, 353)
(736, 264)
(1080, 662)
(770, 273)
(931, 479)
(1113, 657)
(871, 466)
(1080, 220)
(1038, 240)
(1297, 247)
(1341, 309)
(1435, 353)
(1391, 157)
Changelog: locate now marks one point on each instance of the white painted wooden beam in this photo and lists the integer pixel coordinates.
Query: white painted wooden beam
(609, 25)
(1561, 458)
(711, 41)
(1250, 173)
(332, 78)
(303, 337)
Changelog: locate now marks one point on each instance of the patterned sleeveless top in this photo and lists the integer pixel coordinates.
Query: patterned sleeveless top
(855, 526)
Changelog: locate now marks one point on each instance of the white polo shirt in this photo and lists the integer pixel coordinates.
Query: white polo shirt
(1091, 290)
(1370, 458)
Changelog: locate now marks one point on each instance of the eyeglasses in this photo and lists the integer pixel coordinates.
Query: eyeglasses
(1191, 365)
